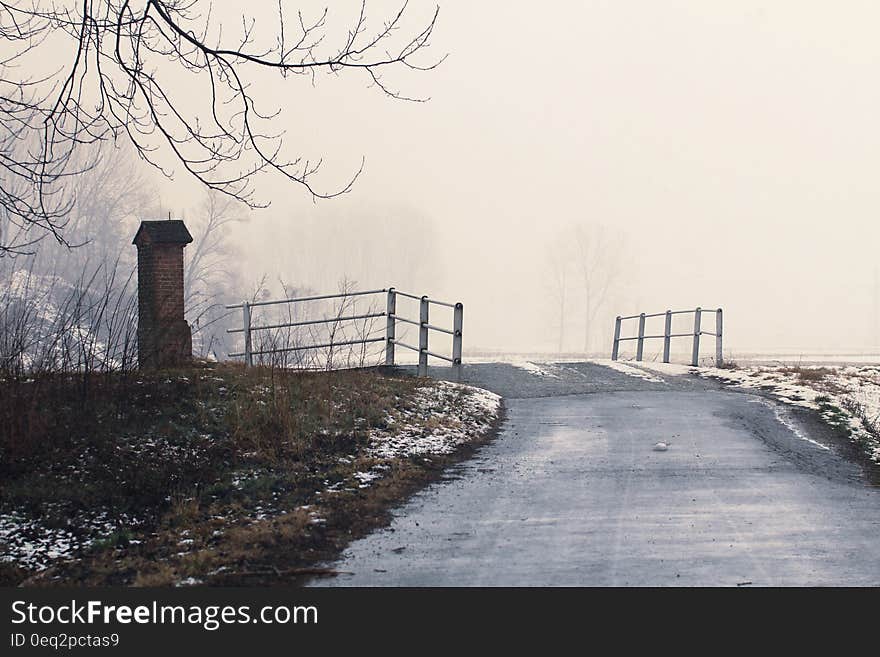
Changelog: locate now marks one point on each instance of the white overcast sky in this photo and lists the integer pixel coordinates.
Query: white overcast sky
(736, 144)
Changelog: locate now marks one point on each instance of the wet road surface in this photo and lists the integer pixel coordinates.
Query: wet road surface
(572, 493)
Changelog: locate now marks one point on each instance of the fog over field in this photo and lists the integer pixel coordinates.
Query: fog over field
(672, 154)
(734, 148)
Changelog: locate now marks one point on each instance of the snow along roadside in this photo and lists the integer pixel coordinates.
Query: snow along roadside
(846, 397)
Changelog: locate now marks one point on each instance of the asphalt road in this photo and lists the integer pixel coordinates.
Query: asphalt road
(572, 493)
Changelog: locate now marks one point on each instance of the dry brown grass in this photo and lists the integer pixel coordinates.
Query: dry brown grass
(807, 374)
(233, 448)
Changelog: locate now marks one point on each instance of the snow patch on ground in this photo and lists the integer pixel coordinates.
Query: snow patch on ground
(535, 369)
(670, 369)
(629, 370)
(445, 416)
(848, 395)
(785, 418)
(367, 477)
(31, 544)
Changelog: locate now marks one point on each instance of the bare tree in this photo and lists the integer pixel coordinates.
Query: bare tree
(558, 266)
(130, 70)
(582, 269)
(62, 309)
(596, 251)
(208, 272)
(112, 195)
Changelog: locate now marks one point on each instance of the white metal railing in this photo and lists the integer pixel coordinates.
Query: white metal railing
(668, 334)
(390, 338)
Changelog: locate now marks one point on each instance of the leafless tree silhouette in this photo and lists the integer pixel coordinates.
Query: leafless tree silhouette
(583, 269)
(558, 266)
(597, 252)
(171, 78)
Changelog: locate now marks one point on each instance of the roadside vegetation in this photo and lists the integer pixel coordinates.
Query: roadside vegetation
(846, 397)
(214, 474)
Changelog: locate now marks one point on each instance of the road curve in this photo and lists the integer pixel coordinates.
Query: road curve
(572, 493)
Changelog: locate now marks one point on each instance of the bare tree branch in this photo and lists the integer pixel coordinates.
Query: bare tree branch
(130, 71)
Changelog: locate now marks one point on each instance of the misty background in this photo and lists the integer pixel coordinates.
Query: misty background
(577, 161)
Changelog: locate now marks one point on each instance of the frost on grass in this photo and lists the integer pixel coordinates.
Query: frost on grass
(30, 543)
(367, 477)
(443, 416)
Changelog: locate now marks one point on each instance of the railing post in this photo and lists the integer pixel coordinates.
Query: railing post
(457, 320)
(667, 336)
(615, 349)
(390, 324)
(719, 358)
(423, 337)
(695, 356)
(246, 324)
(640, 348)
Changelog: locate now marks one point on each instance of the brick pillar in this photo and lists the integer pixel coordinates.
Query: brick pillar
(164, 337)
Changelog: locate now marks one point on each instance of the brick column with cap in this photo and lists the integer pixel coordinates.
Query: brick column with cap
(164, 337)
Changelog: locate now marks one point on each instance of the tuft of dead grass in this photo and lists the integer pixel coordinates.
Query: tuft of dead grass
(808, 374)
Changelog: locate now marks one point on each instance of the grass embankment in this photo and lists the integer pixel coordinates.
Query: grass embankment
(847, 398)
(214, 474)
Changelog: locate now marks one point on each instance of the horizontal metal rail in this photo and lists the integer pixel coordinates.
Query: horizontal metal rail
(671, 312)
(668, 334)
(330, 320)
(655, 337)
(428, 299)
(407, 295)
(310, 346)
(430, 327)
(439, 329)
(315, 298)
(444, 303)
(430, 353)
(390, 339)
(686, 312)
(404, 344)
(405, 320)
(646, 316)
(440, 356)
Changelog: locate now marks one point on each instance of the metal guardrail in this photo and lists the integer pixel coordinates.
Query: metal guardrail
(668, 334)
(390, 338)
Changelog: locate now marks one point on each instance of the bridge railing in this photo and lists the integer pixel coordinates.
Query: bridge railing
(667, 335)
(249, 328)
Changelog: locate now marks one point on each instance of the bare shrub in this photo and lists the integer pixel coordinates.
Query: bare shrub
(51, 325)
(808, 373)
(329, 341)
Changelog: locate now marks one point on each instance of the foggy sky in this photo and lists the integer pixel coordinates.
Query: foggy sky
(735, 145)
